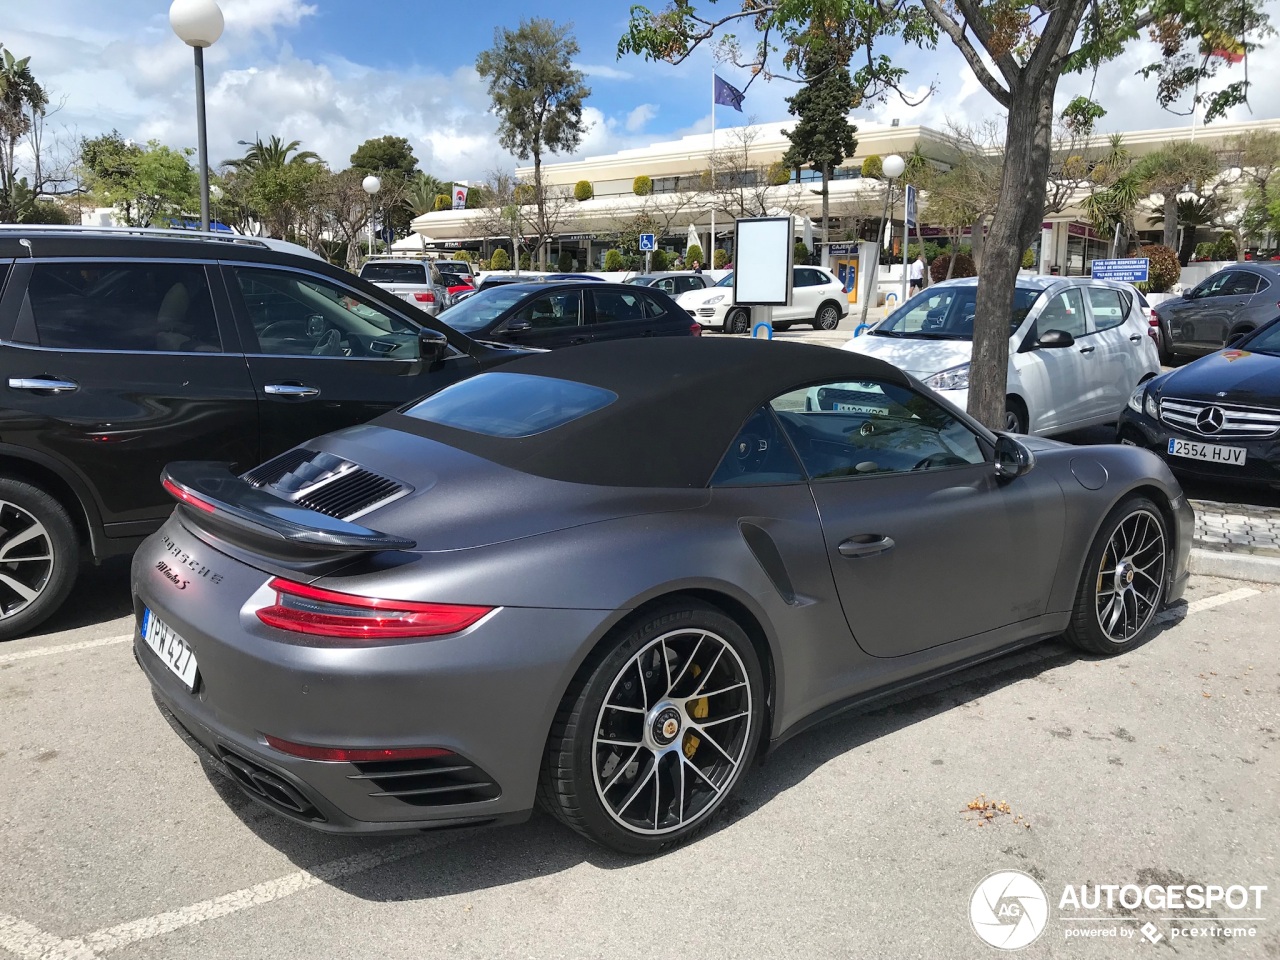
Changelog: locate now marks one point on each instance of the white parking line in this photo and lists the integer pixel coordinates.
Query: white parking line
(1207, 603)
(31, 943)
(62, 648)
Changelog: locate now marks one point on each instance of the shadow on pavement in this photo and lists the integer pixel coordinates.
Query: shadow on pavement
(101, 593)
(478, 859)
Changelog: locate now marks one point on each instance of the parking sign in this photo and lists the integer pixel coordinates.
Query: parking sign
(647, 242)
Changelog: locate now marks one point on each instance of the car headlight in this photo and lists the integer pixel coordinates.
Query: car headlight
(1143, 399)
(1135, 398)
(956, 378)
(712, 300)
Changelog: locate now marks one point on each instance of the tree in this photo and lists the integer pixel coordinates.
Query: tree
(1114, 193)
(1018, 50)
(824, 136)
(391, 160)
(537, 95)
(22, 103)
(143, 184)
(420, 197)
(1172, 169)
(273, 182)
(274, 153)
(1192, 213)
(336, 214)
(740, 187)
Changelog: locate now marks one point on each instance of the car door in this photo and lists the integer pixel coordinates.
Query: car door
(553, 319)
(911, 507)
(1055, 381)
(1120, 361)
(798, 309)
(622, 314)
(114, 368)
(323, 356)
(1262, 307)
(1202, 321)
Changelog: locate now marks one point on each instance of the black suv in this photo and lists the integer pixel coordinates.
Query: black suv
(122, 350)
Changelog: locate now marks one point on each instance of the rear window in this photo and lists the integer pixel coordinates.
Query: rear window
(510, 405)
(394, 272)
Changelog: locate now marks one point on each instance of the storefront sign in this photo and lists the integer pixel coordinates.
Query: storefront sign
(1082, 230)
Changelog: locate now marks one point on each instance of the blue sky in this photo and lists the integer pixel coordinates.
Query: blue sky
(333, 72)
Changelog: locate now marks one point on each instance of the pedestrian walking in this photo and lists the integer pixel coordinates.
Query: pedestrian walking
(917, 273)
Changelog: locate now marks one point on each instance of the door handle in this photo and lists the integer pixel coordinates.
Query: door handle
(1087, 349)
(291, 390)
(43, 384)
(865, 545)
(1136, 337)
(579, 339)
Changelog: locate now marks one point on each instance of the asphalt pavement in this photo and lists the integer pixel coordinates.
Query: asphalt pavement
(865, 837)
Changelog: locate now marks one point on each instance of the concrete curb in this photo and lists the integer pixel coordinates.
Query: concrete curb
(1234, 566)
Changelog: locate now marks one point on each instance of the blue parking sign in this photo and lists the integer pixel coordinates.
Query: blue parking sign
(647, 242)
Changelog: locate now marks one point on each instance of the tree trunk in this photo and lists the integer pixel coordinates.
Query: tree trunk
(1188, 248)
(920, 241)
(541, 202)
(1018, 215)
(826, 197)
(1171, 220)
(978, 242)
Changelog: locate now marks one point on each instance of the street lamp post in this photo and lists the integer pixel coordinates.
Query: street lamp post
(215, 194)
(893, 167)
(198, 23)
(371, 185)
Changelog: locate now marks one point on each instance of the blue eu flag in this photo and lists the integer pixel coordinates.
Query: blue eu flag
(727, 94)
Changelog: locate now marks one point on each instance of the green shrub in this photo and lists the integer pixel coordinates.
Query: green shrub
(1204, 251)
(583, 190)
(1165, 270)
(779, 174)
(1224, 248)
(873, 166)
(523, 193)
(1028, 259)
(931, 251)
(964, 267)
(719, 258)
(693, 253)
(642, 186)
(443, 202)
(661, 260)
(613, 260)
(526, 261)
(482, 265)
(564, 262)
(501, 260)
(801, 252)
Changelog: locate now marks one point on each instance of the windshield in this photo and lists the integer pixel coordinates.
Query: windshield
(946, 313)
(394, 272)
(481, 309)
(1267, 341)
(726, 282)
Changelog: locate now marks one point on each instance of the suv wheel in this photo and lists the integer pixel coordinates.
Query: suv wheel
(39, 557)
(738, 321)
(828, 317)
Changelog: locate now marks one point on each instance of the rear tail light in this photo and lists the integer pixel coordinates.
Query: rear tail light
(345, 755)
(427, 297)
(300, 608)
(187, 497)
(696, 330)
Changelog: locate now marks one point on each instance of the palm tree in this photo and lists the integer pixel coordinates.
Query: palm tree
(1169, 171)
(1193, 213)
(422, 192)
(272, 155)
(21, 101)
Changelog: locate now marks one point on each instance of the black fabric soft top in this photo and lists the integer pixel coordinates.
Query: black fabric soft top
(681, 401)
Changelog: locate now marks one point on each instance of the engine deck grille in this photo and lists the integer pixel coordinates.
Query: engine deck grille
(325, 483)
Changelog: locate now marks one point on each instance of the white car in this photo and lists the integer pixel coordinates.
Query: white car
(1077, 349)
(817, 297)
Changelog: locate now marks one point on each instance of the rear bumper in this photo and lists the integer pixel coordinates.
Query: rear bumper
(487, 695)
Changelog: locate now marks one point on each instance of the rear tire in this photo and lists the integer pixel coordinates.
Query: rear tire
(1123, 582)
(828, 317)
(39, 557)
(639, 759)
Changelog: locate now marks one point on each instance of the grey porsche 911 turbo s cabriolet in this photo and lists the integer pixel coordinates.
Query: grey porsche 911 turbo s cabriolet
(606, 579)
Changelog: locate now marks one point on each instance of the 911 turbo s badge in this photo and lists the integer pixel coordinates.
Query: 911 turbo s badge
(183, 559)
(172, 575)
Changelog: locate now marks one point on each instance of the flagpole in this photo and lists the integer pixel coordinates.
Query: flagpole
(712, 261)
(1195, 103)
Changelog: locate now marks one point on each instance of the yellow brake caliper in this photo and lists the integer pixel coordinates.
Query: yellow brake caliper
(699, 712)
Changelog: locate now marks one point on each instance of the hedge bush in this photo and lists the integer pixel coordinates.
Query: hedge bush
(1028, 259)
(613, 260)
(779, 174)
(443, 202)
(523, 193)
(526, 261)
(1204, 250)
(801, 252)
(1224, 248)
(873, 166)
(642, 186)
(719, 258)
(964, 267)
(500, 260)
(1165, 270)
(693, 253)
(564, 262)
(661, 260)
(582, 190)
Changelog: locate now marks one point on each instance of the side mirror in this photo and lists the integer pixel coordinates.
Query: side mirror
(518, 326)
(432, 345)
(1013, 460)
(1234, 339)
(1052, 339)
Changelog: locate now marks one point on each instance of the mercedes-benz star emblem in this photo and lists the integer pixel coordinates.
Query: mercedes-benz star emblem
(1210, 420)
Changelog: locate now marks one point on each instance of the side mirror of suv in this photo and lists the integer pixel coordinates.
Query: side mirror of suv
(518, 326)
(432, 345)
(1013, 459)
(1055, 339)
(1234, 339)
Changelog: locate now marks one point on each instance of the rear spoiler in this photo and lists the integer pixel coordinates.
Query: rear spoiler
(218, 499)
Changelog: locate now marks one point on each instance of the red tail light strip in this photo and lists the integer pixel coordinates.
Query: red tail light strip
(300, 608)
(344, 755)
(187, 497)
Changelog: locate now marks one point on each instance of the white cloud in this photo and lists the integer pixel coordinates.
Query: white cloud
(250, 15)
(641, 115)
(603, 71)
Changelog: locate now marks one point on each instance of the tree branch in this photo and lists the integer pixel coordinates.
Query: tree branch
(957, 34)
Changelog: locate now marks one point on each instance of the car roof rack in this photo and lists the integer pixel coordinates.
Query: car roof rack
(166, 233)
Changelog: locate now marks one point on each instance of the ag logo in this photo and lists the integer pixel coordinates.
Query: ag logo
(1009, 910)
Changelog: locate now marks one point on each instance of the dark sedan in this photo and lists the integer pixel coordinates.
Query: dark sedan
(1230, 303)
(1218, 417)
(607, 578)
(568, 312)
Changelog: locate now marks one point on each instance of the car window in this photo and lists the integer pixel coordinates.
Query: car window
(1108, 307)
(615, 306)
(653, 306)
(758, 455)
(301, 314)
(1065, 312)
(145, 307)
(666, 285)
(1215, 286)
(843, 430)
(947, 312)
(553, 311)
(394, 272)
(1241, 285)
(802, 278)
